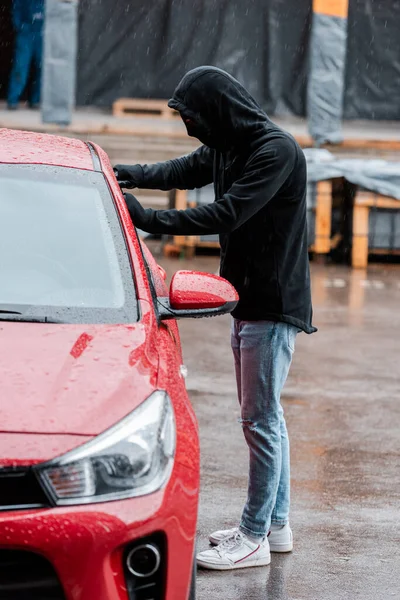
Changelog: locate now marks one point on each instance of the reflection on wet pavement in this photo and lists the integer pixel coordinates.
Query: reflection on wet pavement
(342, 404)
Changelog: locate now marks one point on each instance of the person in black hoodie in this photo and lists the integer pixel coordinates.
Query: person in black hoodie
(259, 176)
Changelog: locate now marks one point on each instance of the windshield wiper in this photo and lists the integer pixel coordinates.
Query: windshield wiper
(21, 318)
(10, 312)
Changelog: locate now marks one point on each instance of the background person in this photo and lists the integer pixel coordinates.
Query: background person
(28, 20)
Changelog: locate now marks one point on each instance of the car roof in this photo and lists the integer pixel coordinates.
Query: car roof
(27, 147)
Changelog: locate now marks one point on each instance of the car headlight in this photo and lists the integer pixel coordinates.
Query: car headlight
(133, 458)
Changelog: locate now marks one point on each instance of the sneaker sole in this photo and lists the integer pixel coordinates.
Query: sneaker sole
(281, 547)
(260, 562)
(273, 547)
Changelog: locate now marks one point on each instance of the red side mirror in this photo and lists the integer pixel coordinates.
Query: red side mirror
(192, 290)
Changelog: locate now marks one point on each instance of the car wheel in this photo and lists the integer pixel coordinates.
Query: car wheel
(192, 595)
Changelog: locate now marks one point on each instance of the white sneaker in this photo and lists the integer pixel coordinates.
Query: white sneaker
(219, 536)
(235, 552)
(280, 538)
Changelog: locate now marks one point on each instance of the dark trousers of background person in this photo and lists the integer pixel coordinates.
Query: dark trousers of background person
(28, 52)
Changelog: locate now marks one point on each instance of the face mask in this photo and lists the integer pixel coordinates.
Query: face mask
(200, 131)
(197, 130)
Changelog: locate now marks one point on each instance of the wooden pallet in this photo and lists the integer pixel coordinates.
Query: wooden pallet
(193, 243)
(125, 107)
(183, 245)
(187, 245)
(323, 218)
(324, 242)
(363, 203)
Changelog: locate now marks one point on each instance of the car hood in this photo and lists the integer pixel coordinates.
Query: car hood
(76, 379)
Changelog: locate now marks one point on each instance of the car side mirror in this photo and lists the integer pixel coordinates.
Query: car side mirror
(194, 295)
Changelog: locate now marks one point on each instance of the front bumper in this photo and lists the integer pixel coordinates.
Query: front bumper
(86, 544)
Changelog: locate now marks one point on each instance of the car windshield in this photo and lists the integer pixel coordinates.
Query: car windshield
(62, 251)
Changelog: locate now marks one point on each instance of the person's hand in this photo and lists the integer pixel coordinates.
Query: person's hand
(128, 176)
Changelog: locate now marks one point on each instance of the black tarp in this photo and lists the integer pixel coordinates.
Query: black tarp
(142, 49)
(372, 83)
(6, 45)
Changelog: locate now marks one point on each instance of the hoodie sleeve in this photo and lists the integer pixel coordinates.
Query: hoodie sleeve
(186, 173)
(261, 179)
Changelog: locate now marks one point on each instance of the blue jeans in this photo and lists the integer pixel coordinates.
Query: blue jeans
(28, 51)
(263, 352)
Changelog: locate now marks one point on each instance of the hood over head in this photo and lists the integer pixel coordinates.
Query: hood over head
(216, 108)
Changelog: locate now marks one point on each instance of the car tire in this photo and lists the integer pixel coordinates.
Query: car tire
(192, 594)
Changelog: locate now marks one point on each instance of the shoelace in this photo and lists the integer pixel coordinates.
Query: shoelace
(230, 542)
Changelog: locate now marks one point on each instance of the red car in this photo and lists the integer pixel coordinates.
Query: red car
(99, 456)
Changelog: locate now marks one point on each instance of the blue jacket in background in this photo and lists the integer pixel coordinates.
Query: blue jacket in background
(28, 15)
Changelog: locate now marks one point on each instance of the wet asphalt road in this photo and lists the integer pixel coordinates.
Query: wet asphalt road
(342, 405)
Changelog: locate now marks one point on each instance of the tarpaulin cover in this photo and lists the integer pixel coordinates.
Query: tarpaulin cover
(372, 84)
(142, 49)
(380, 176)
(326, 80)
(59, 61)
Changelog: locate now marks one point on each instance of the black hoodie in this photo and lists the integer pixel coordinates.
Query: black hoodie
(259, 176)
